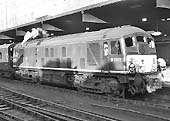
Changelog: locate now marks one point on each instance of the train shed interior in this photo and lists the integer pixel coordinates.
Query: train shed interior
(146, 14)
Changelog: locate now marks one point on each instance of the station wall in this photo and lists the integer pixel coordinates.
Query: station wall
(163, 52)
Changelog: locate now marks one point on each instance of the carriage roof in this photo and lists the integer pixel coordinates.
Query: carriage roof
(4, 46)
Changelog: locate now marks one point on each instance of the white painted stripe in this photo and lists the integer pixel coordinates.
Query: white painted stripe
(69, 69)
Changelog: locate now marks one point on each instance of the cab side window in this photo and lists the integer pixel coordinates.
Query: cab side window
(140, 38)
(115, 47)
(129, 42)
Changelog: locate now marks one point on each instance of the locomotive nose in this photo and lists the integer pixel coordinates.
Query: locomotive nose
(143, 63)
(142, 67)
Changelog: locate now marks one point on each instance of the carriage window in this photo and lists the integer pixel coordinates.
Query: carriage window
(115, 47)
(140, 39)
(0, 55)
(52, 52)
(46, 52)
(129, 42)
(64, 51)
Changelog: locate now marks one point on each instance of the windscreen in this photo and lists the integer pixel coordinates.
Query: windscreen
(140, 44)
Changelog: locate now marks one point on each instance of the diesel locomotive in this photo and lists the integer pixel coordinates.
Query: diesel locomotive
(111, 61)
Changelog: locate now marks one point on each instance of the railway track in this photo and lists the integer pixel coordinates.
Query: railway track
(130, 108)
(10, 111)
(55, 111)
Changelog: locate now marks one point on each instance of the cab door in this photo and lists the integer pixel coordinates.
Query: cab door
(116, 56)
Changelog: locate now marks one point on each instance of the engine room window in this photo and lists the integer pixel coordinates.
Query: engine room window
(140, 38)
(52, 52)
(129, 42)
(46, 52)
(115, 47)
(0, 55)
(64, 51)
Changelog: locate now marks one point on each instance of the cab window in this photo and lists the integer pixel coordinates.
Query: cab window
(129, 42)
(140, 38)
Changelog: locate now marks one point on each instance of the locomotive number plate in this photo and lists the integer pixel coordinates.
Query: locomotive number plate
(116, 59)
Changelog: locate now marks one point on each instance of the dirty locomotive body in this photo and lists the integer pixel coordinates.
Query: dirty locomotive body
(111, 61)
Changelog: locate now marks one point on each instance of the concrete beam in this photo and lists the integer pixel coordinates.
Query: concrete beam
(90, 18)
(5, 37)
(50, 27)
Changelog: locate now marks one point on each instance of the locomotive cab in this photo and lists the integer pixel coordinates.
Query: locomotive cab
(135, 53)
(141, 60)
(135, 56)
(140, 53)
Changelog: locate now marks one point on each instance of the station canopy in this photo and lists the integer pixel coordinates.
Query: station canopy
(150, 15)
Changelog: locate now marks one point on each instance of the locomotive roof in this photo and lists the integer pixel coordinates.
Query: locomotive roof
(116, 32)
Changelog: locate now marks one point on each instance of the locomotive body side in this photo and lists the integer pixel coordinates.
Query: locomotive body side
(97, 61)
